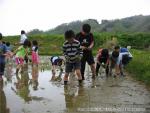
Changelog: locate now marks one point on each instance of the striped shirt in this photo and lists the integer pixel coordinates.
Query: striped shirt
(72, 50)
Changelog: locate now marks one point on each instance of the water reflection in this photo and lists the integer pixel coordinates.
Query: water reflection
(3, 103)
(22, 85)
(35, 75)
(75, 97)
(9, 71)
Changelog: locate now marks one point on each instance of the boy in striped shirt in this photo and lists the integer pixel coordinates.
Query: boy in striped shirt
(73, 54)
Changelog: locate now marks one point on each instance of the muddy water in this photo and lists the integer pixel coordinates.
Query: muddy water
(33, 92)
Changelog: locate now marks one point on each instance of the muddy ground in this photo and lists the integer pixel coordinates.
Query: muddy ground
(33, 92)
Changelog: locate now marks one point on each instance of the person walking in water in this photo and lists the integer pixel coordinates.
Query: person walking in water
(87, 42)
(73, 54)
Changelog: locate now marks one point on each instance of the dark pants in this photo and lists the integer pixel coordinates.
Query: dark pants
(2, 68)
(87, 57)
(98, 66)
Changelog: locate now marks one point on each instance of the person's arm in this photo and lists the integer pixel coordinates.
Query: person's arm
(64, 49)
(108, 60)
(80, 50)
(92, 42)
(16, 50)
(91, 46)
(130, 55)
(78, 38)
(7, 52)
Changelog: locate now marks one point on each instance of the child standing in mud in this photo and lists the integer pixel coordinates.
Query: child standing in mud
(86, 39)
(21, 52)
(35, 56)
(73, 54)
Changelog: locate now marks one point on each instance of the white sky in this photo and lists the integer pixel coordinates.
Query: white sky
(16, 15)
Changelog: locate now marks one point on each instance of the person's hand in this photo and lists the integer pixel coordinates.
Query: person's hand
(11, 54)
(84, 48)
(98, 62)
(103, 65)
(78, 58)
(67, 58)
(89, 48)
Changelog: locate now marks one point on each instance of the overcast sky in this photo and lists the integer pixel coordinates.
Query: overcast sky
(16, 15)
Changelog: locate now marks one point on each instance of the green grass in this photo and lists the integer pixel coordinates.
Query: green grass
(139, 67)
(48, 44)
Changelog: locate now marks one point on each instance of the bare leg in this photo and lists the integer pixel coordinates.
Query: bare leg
(93, 70)
(97, 68)
(78, 73)
(66, 78)
(18, 68)
(53, 72)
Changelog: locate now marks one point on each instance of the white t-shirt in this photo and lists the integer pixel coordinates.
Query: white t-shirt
(55, 58)
(23, 38)
(34, 48)
(121, 55)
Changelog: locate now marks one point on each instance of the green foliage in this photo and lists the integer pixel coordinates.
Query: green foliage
(136, 40)
(51, 44)
(48, 44)
(140, 64)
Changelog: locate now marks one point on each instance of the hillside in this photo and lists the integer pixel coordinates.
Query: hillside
(125, 25)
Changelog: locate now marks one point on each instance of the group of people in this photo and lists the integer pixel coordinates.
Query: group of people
(77, 50)
(21, 54)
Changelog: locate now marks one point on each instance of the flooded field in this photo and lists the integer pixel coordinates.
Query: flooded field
(33, 92)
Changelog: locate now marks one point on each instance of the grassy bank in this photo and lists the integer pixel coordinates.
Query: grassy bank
(139, 67)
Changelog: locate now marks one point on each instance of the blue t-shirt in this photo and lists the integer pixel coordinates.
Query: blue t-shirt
(9, 48)
(3, 50)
